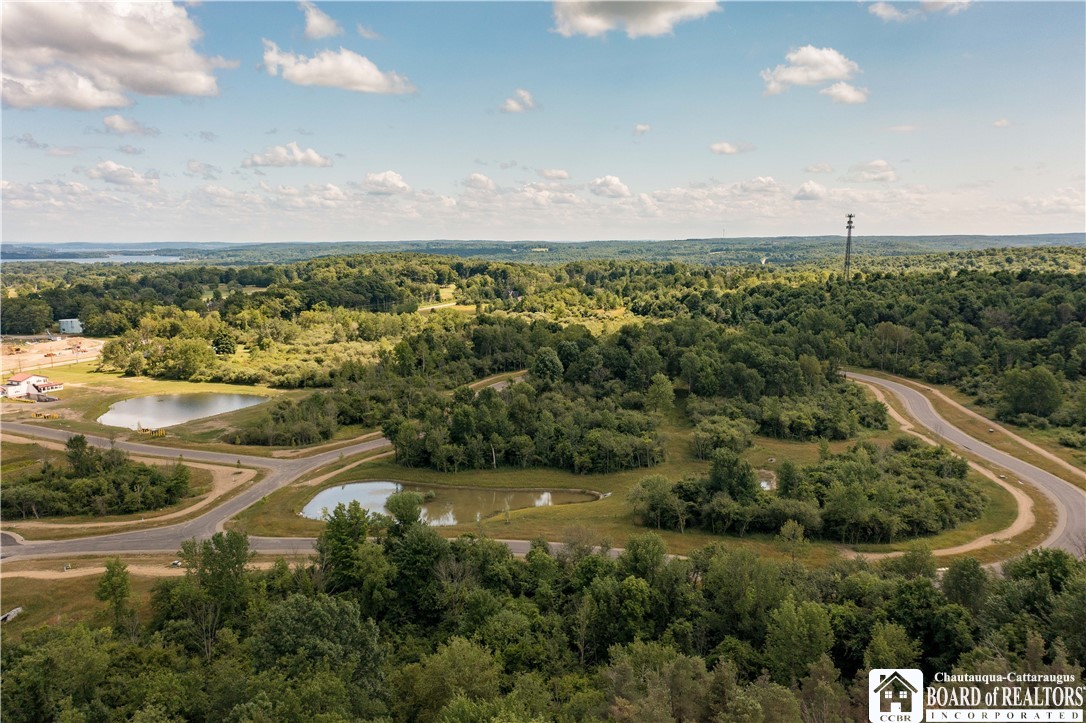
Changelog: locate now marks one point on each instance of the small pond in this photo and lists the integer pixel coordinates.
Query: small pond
(166, 410)
(444, 505)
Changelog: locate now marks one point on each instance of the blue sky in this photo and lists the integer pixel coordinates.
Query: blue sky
(526, 120)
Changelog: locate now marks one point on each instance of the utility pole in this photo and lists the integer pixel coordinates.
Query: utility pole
(848, 249)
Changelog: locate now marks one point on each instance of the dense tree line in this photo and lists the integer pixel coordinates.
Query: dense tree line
(392, 622)
(867, 494)
(94, 483)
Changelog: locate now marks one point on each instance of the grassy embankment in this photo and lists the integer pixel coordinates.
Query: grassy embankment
(1046, 439)
(55, 596)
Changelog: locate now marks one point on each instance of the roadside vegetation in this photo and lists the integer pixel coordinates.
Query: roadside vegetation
(390, 621)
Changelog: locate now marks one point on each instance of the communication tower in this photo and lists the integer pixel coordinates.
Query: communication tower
(848, 249)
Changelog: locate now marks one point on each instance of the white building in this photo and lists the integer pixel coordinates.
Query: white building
(71, 326)
(29, 384)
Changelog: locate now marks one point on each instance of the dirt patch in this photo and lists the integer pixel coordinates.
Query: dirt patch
(137, 570)
(15, 357)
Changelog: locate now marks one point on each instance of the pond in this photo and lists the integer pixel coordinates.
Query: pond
(166, 410)
(444, 505)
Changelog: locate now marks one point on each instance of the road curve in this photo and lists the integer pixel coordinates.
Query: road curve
(1070, 502)
(167, 538)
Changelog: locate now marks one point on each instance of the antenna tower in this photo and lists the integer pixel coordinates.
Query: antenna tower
(848, 249)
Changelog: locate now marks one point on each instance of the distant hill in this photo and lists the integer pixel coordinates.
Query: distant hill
(777, 251)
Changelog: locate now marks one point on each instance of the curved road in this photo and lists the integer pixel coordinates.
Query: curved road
(1070, 531)
(1070, 501)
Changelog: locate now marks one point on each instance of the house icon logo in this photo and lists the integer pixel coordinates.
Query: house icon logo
(895, 695)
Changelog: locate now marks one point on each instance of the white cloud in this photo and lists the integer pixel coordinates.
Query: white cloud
(950, 7)
(386, 183)
(317, 24)
(480, 182)
(92, 55)
(842, 92)
(121, 126)
(1063, 200)
(892, 14)
(810, 191)
(808, 66)
(199, 169)
(724, 148)
(641, 129)
(639, 18)
(902, 129)
(521, 101)
(878, 171)
(288, 155)
(609, 187)
(554, 174)
(819, 168)
(888, 13)
(63, 152)
(111, 172)
(1002, 123)
(130, 149)
(343, 69)
(367, 33)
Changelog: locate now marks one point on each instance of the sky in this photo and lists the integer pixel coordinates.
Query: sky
(343, 121)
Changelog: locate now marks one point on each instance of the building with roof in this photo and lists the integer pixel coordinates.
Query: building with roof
(29, 385)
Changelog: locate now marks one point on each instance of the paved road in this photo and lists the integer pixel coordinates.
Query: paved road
(1070, 501)
(277, 473)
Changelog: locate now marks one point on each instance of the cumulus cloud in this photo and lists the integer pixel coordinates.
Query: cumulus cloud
(810, 191)
(317, 24)
(93, 55)
(120, 126)
(641, 129)
(480, 182)
(819, 168)
(63, 151)
(1002, 123)
(115, 173)
(609, 187)
(878, 171)
(842, 92)
(1063, 200)
(387, 183)
(808, 66)
(343, 69)
(367, 33)
(208, 136)
(199, 169)
(645, 18)
(130, 149)
(553, 174)
(521, 101)
(288, 155)
(892, 14)
(724, 148)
